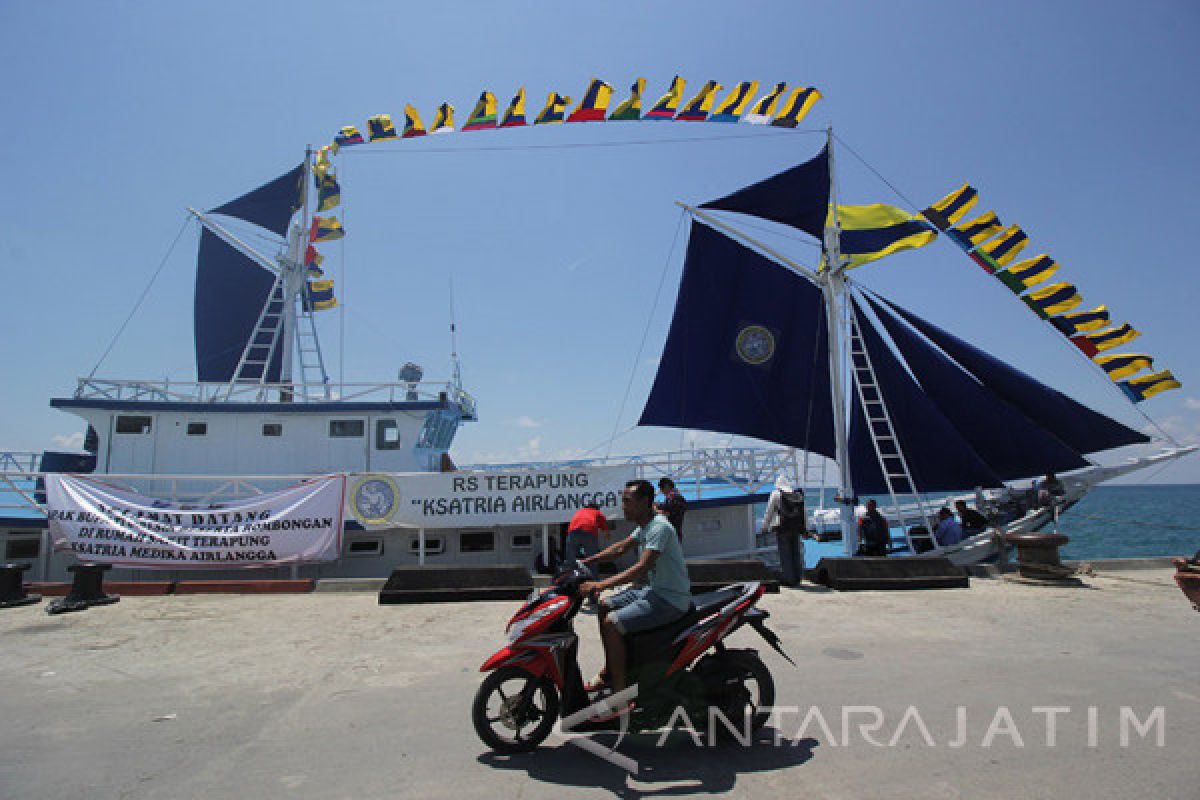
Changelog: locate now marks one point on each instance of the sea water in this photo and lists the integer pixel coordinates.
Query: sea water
(1133, 522)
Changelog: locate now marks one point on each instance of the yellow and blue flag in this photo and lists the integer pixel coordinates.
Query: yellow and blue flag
(667, 104)
(347, 136)
(412, 123)
(380, 128)
(1099, 341)
(1145, 387)
(514, 115)
(631, 109)
(443, 122)
(313, 261)
(733, 106)
(1122, 365)
(325, 229)
(797, 107)
(873, 231)
(329, 194)
(697, 109)
(555, 110)
(764, 110)
(1028, 273)
(320, 295)
(946, 213)
(1005, 247)
(1053, 299)
(594, 104)
(484, 114)
(1080, 321)
(975, 232)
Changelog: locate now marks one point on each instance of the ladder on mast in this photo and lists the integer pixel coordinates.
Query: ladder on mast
(312, 365)
(254, 365)
(892, 462)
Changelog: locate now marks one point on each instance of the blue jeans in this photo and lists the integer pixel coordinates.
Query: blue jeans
(640, 609)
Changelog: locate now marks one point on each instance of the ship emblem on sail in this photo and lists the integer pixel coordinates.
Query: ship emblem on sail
(374, 499)
(755, 345)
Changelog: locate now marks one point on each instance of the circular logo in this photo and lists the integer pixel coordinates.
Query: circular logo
(755, 344)
(374, 499)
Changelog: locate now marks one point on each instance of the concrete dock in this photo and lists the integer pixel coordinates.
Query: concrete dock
(936, 694)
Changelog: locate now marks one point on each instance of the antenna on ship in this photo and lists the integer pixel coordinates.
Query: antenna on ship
(454, 365)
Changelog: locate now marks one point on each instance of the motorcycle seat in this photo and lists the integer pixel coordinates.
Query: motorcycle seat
(709, 602)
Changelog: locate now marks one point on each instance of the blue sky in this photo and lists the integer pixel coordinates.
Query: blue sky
(1076, 120)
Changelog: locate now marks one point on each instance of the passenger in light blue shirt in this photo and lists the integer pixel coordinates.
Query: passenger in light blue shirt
(948, 531)
(666, 595)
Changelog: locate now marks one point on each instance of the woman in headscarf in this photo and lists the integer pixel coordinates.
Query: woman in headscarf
(786, 519)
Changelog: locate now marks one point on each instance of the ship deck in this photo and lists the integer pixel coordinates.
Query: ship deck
(331, 695)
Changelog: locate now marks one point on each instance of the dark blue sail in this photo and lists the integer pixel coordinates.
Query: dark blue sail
(230, 293)
(1076, 425)
(798, 197)
(938, 457)
(1011, 444)
(747, 352)
(270, 205)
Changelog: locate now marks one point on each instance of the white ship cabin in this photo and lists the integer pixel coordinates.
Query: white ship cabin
(148, 428)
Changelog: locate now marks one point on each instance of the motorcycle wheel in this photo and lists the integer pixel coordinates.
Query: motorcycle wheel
(513, 711)
(758, 693)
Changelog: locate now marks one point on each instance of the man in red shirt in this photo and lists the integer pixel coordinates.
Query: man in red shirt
(583, 534)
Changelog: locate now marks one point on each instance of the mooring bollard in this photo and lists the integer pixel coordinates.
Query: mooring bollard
(1037, 556)
(12, 587)
(87, 589)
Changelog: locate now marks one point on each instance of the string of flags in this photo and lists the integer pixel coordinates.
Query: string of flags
(995, 249)
(782, 107)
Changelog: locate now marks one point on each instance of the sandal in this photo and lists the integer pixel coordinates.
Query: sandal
(597, 683)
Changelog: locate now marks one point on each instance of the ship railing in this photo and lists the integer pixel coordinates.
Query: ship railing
(19, 461)
(166, 390)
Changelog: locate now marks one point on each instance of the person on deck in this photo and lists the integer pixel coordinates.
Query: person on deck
(873, 533)
(666, 595)
(785, 517)
(948, 531)
(673, 505)
(1051, 490)
(971, 520)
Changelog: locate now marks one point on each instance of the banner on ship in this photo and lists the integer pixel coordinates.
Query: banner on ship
(485, 498)
(104, 524)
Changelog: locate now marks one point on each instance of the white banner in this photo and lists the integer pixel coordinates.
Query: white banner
(107, 525)
(484, 498)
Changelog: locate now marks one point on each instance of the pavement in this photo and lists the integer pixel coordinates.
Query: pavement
(330, 695)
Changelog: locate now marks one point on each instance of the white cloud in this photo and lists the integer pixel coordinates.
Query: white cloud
(531, 450)
(526, 422)
(70, 441)
(1191, 403)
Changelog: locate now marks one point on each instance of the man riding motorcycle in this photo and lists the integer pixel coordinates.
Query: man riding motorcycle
(664, 598)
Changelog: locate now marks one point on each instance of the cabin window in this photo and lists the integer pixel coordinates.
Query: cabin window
(479, 542)
(272, 429)
(387, 435)
(347, 428)
(129, 424)
(522, 541)
(197, 429)
(21, 549)
(439, 429)
(365, 547)
(434, 545)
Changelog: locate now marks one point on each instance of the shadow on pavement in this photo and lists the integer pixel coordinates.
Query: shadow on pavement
(678, 767)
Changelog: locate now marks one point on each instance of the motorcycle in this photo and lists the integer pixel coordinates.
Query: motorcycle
(535, 679)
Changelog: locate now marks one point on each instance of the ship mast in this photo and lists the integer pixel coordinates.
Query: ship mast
(294, 275)
(833, 287)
